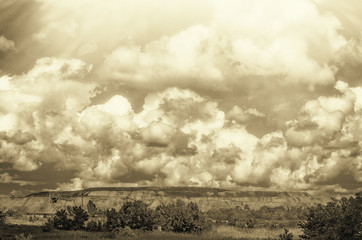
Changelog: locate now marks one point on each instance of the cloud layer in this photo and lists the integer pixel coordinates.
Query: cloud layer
(245, 94)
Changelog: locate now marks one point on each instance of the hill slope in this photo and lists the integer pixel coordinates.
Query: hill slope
(206, 198)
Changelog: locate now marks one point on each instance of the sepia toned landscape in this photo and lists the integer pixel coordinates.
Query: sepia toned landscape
(181, 119)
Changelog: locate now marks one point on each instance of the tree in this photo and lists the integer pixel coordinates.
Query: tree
(136, 215)
(61, 220)
(71, 219)
(180, 218)
(338, 219)
(79, 217)
(113, 220)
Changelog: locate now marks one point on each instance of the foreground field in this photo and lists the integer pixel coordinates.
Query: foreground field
(219, 233)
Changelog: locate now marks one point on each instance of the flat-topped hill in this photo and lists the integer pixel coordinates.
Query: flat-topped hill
(110, 197)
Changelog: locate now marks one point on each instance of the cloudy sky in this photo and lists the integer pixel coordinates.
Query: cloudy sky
(249, 94)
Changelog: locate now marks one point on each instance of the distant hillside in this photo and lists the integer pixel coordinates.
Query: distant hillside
(206, 198)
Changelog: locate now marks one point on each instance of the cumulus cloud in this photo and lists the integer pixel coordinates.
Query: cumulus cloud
(244, 94)
(37, 105)
(243, 115)
(235, 45)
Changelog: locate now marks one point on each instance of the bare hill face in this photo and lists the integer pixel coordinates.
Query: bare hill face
(206, 198)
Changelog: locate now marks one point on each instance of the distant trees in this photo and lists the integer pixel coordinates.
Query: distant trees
(338, 219)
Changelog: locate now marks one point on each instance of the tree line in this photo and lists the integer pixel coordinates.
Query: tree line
(177, 217)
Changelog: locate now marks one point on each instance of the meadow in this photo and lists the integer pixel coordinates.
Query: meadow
(23, 232)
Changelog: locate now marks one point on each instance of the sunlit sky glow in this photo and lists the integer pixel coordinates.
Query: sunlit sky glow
(248, 94)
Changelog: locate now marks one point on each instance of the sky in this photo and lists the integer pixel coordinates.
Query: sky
(247, 94)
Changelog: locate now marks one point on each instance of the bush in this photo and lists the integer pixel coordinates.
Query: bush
(79, 217)
(71, 219)
(286, 235)
(2, 218)
(13, 213)
(48, 226)
(113, 220)
(338, 219)
(136, 215)
(93, 226)
(23, 236)
(180, 218)
(250, 223)
(61, 220)
(127, 232)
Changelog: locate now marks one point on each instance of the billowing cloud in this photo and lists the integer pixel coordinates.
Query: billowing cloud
(36, 106)
(262, 94)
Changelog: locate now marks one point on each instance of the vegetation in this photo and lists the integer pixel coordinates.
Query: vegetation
(277, 217)
(73, 218)
(135, 215)
(180, 217)
(338, 219)
(172, 217)
(286, 235)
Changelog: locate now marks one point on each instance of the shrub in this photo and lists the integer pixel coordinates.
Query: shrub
(2, 218)
(71, 219)
(338, 219)
(136, 215)
(61, 220)
(250, 223)
(127, 232)
(286, 235)
(23, 236)
(180, 218)
(79, 217)
(93, 226)
(13, 213)
(113, 220)
(48, 226)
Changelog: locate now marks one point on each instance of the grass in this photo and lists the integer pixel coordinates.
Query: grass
(8, 232)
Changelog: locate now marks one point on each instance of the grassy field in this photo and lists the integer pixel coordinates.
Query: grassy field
(218, 233)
